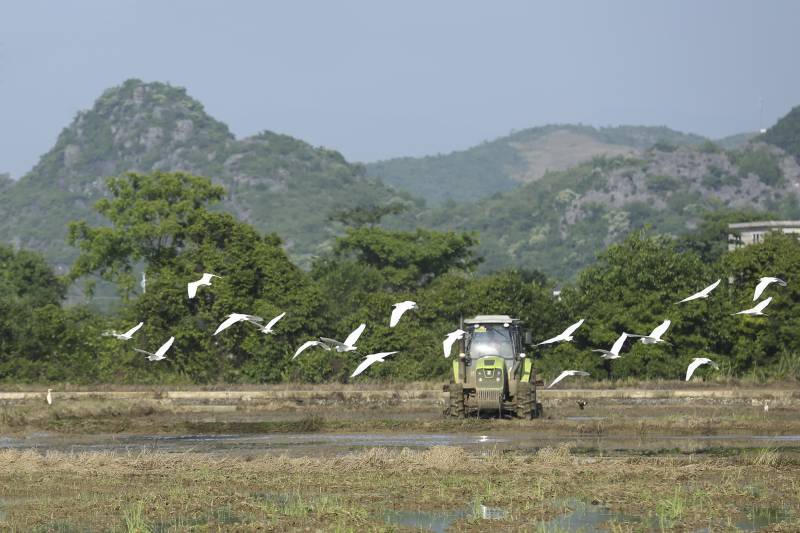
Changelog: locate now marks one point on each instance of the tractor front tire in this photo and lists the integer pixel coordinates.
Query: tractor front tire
(456, 407)
(527, 406)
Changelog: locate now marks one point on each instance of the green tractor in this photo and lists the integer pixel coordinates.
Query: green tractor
(492, 375)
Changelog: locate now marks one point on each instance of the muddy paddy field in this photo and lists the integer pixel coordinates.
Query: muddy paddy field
(380, 459)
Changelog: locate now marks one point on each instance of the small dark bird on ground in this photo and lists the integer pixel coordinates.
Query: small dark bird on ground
(582, 404)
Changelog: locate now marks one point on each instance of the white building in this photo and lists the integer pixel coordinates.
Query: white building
(744, 233)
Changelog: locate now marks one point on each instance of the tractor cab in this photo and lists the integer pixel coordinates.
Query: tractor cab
(492, 373)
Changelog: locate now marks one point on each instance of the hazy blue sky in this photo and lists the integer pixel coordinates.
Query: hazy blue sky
(377, 80)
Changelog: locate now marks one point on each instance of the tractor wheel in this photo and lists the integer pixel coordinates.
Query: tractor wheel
(527, 407)
(455, 407)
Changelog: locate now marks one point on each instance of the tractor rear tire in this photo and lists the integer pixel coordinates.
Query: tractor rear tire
(527, 406)
(456, 407)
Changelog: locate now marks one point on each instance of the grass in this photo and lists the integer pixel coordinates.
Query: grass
(152, 491)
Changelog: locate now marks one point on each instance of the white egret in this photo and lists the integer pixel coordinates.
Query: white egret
(566, 373)
(159, 355)
(368, 360)
(233, 318)
(124, 336)
(49, 397)
(758, 310)
(697, 361)
(655, 335)
(565, 336)
(205, 280)
(451, 338)
(763, 283)
(399, 309)
(702, 294)
(309, 344)
(270, 324)
(614, 352)
(349, 343)
(143, 283)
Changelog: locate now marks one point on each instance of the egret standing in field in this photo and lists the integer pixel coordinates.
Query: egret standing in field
(763, 283)
(565, 336)
(349, 343)
(124, 336)
(451, 338)
(702, 294)
(399, 309)
(614, 352)
(696, 362)
(49, 397)
(369, 360)
(309, 344)
(192, 286)
(567, 373)
(655, 335)
(159, 355)
(233, 318)
(758, 310)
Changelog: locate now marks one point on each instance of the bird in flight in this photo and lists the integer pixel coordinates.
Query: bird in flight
(159, 355)
(233, 318)
(399, 309)
(309, 344)
(370, 359)
(565, 336)
(655, 335)
(614, 352)
(192, 286)
(702, 294)
(763, 283)
(124, 336)
(270, 324)
(349, 343)
(758, 310)
(451, 338)
(567, 373)
(696, 362)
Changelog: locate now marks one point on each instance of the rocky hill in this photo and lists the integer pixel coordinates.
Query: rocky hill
(276, 182)
(559, 222)
(522, 157)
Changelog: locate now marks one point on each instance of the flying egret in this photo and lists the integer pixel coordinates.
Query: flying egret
(371, 358)
(49, 397)
(757, 310)
(270, 324)
(697, 361)
(143, 283)
(451, 338)
(702, 294)
(349, 343)
(124, 336)
(233, 318)
(614, 352)
(655, 335)
(193, 285)
(763, 283)
(159, 355)
(565, 336)
(309, 344)
(399, 309)
(566, 373)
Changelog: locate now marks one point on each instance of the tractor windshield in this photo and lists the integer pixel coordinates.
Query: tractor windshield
(491, 339)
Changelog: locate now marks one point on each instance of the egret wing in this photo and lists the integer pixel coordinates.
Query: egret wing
(164, 347)
(353, 337)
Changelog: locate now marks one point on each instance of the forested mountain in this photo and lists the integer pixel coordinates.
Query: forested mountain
(558, 223)
(523, 156)
(786, 133)
(275, 182)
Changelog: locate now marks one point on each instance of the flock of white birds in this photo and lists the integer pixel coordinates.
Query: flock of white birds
(655, 336)
(400, 308)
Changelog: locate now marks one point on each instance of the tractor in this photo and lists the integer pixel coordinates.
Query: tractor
(492, 375)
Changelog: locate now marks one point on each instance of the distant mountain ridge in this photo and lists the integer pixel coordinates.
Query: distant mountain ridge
(278, 183)
(523, 156)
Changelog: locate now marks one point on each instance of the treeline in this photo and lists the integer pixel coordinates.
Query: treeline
(166, 225)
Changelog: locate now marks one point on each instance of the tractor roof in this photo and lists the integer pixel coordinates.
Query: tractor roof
(492, 319)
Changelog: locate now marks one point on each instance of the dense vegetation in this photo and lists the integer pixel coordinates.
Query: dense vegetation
(166, 224)
(786, 133)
